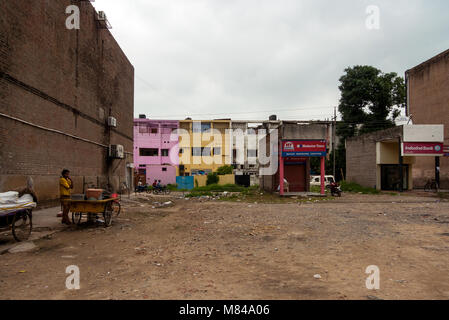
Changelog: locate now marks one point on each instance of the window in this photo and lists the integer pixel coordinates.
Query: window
(217, 151)
(143, 128)
(252, 153)
(154, 130)
(164, 152)
(198, 152)
(201, 127)
(181, 150)
(206, 152)
(164, 169)
(148, 152)
(205, 127)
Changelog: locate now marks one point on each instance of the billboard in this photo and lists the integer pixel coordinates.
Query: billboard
(304, 148)
(422, 149)
(446, 151)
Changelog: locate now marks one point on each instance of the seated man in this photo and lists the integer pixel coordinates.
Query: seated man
(159, 185)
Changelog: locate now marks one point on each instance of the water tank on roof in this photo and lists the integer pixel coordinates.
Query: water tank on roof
(273, 118)
(142, 116)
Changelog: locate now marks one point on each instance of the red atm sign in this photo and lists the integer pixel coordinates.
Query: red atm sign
(304, 148)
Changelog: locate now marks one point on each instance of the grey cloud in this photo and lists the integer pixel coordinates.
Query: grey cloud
(228, 57)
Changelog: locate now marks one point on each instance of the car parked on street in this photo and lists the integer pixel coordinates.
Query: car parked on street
(316, 180)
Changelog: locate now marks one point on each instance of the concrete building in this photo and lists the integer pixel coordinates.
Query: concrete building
(375, 160)
(245, 140)
(204, 146)
(156, 150)
(58, 88)
(428, 103)
(294, 168)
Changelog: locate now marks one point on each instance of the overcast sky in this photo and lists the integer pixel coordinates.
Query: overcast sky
(248, 59)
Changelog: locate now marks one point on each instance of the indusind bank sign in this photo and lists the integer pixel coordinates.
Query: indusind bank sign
(422, 149)
(304, 148)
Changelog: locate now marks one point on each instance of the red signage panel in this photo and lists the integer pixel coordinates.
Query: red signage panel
(422, 149)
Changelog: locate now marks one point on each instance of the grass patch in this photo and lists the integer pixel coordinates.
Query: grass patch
(220, 188)
(356, 188)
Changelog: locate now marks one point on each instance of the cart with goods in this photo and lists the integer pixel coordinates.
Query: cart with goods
(16, 214)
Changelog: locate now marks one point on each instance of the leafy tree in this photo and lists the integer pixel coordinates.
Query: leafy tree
(370, 100)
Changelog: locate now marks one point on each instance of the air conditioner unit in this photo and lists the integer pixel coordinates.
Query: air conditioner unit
(102, 16)
(116, 151)
(112, 122)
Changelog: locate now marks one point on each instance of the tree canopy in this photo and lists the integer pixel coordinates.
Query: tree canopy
(370, 100)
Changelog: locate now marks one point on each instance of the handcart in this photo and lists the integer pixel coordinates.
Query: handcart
(89, 208)
(20, 221)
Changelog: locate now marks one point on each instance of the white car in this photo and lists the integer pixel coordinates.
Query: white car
(316, 180)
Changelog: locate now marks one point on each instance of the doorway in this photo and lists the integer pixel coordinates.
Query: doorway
(390, 177)
(296, 176)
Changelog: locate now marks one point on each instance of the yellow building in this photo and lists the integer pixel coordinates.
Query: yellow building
(204, 146)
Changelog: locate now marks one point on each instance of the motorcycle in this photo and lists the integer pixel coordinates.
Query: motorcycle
(335, 189)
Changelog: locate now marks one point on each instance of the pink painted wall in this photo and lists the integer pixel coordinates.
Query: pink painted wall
(144, 138)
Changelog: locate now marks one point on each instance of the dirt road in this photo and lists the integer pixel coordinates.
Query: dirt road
(244, 250)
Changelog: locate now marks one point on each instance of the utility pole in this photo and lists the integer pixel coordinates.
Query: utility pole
(334, 132)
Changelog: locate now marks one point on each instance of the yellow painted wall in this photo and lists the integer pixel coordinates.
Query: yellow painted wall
(201, 181)
(212, 162)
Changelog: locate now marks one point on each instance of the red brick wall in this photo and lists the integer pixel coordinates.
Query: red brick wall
(429, 104)
(60, 79)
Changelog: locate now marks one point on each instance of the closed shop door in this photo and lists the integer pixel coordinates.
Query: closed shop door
(296, 177)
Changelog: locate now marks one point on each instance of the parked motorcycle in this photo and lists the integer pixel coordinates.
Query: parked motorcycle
(335, 189)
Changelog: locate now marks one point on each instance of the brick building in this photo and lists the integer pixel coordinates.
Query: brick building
(58, 87)
(375, 159)
(428, 103)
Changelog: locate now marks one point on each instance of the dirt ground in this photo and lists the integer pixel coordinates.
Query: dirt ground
(208, 249)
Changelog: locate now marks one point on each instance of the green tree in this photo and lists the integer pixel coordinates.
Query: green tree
(370, 100)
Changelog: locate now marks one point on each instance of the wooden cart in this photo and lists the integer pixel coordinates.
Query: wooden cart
(92, 208)
(19, 221)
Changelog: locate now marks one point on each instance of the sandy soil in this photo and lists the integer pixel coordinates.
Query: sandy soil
(203, 249)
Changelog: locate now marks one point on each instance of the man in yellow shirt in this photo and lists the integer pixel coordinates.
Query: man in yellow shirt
(65, 186)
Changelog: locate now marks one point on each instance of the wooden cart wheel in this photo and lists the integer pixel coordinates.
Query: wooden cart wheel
(107, 214)
(22, 225)
(77, 217)
(116, 208)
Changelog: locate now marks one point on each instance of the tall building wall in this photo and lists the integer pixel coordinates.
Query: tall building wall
(69, 81)
(428, 103)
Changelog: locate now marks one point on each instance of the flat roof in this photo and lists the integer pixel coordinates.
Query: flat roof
(427, 63)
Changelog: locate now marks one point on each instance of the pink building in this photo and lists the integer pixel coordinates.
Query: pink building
(156, 152)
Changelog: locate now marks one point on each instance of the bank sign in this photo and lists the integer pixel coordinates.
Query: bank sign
(422, 149)
(304, 148)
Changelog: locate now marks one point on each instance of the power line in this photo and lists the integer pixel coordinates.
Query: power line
(247, 112)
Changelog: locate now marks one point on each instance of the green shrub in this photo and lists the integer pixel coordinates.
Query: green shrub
(212, 178)
(220, 188)
(224, 170)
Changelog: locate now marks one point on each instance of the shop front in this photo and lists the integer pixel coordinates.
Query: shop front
(294, 164)
(385, 160)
